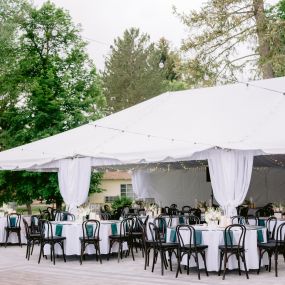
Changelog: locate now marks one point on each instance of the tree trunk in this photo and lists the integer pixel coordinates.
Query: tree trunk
(58, 204)
(263, 43)
(29, 208)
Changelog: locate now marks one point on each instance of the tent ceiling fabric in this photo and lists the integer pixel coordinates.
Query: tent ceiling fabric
(171, 127)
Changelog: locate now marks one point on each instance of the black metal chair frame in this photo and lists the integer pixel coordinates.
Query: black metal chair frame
(241, 220)
(32, 238)
(47, 237)
(229, 248)
(192, 220)
(190, 248)
(160, 246)
(273, 247)
(87, 240)
(125, 235)
(13, 229)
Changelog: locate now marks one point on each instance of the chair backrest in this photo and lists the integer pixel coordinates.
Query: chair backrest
(186, 235)
(186, 209)
(14, 220)
(196, 212)
(166, 210)
(280, 235)
(271, 224)
(155, 233)
(64, 216)
(91, 229)
(34, 224)
(27, 228)
(192, 220)
(161, 224)
(45, 215)
(238, 220)
(45, 229)
(127, 227)
(251, 220)
(105, 216)
(231, 240)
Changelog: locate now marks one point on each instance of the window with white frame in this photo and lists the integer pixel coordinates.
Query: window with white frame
(127, 191)
(110, 199)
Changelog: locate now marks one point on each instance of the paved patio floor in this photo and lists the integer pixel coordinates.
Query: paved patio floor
(15, 269)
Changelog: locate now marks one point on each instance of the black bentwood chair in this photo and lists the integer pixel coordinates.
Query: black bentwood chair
(231, 247)
(124, 236)
(13, 226)
(273, 247)
(161, 247)
(47, 237)
(90, 229)
(190, 248)
(32, 238)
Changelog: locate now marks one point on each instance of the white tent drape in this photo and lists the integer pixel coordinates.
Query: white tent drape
(230, 172)
(74, 181)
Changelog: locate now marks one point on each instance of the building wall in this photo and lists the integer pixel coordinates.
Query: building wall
(112, 187)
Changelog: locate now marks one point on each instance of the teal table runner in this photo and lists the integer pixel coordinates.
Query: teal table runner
(173, 235)
(12, 222)
(229, 238)
(58, 230)
(89, 231)
(198, 236)
(260, 235)
(114, 229)
(181, 220)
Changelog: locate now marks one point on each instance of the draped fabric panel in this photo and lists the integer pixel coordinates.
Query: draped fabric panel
(74, 181)
(230, 172)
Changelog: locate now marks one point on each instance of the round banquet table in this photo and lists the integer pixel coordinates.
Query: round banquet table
(13, 238)
(72, 230)
(214, 237)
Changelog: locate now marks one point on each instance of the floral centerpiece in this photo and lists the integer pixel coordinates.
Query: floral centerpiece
(213, 216)
(83, 211)
(6, 209)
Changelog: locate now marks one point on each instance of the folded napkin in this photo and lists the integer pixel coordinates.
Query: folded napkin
(260, 235)
(181, 220)
(261, 223)
(58, 230)
(229, 238)
(89, 231)
(172, 235)
(114, 229)
(12, 222)
(198, 237)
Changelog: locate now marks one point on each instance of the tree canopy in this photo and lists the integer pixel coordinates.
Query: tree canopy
(56, 88)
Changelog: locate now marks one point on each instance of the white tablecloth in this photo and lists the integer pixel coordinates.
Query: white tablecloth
(73, 231)
(13, 237)
(214, 238)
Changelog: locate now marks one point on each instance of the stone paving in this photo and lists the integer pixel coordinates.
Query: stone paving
(15, 269)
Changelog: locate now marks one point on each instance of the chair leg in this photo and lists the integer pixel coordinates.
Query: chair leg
(225, 265)
(27, 250)
(41, 252)
(110, 247)
(238, 259)
(33, 243)
(19, 238)
(197, 264)
(162, 261)
(154, 259)
(221, 260)
(99, 253)
(81, 252)
(63, 253)
(259, 261)
(244, 262)
(7, 236)
(52, 253)
(205, 264)
(178, 264)
(276, 263)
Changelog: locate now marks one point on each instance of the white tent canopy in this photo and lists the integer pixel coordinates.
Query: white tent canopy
(175, 126)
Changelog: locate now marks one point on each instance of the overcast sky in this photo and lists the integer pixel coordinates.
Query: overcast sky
(104, 20)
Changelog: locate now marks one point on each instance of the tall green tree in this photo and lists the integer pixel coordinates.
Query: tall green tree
(227, 37)
(60, 90)
(136, 70)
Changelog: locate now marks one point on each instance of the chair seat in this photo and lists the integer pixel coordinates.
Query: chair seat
(13, 228)
(35, 236)
(55, 239)
(198, 247)
(118, 237)
(137, 234)
(89, 239)
(231, 249)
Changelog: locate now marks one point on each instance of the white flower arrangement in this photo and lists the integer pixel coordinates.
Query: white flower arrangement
(278, 207)
(213, 215)
(7, 210)
(83, 211)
